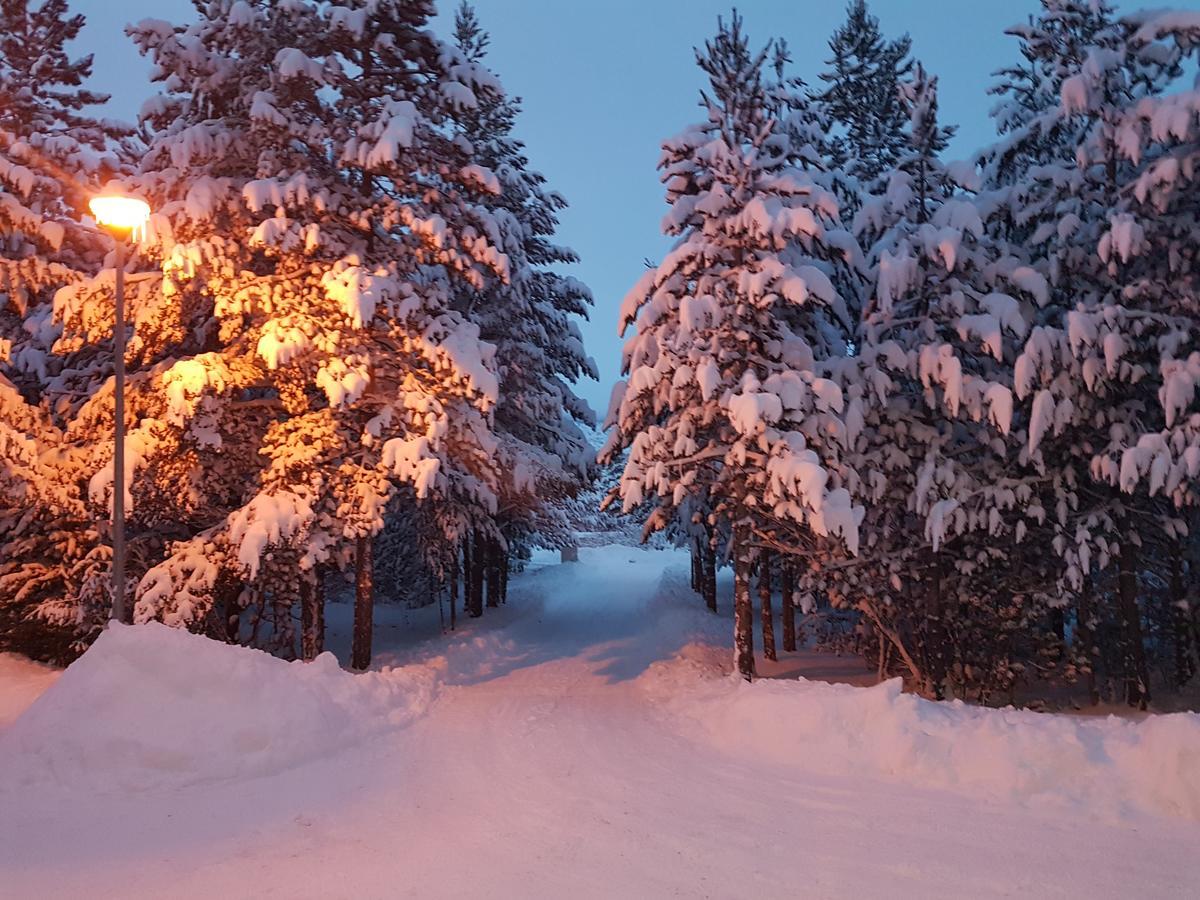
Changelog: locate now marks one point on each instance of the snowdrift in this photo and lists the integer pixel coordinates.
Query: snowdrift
(152, 706)
(1096, 766)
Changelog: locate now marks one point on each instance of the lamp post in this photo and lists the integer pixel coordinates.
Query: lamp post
(122, 216)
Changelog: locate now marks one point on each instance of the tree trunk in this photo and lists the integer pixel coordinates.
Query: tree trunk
(493, 573)
(764, 599)
(504, 578)
(475, 578)
(708, 560)
(743, 609)
(1133, 651)
(788, 589)
(1058, 625)
(1085, 628)
(1185, 665)
(453, 586)
(466, 573)
(936, 639)
(697, 567)
(364, 606)
(312, 618)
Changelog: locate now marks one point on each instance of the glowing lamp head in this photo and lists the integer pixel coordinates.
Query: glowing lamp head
(119, 212)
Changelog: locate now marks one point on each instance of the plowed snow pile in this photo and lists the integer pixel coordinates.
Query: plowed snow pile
(152, 706)
(1096, 766)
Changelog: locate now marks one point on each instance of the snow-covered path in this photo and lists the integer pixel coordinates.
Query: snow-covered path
(575, 746)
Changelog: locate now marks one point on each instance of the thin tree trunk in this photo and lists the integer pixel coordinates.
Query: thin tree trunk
(364, 603)
(1136, 675)
(312, 618)
(504, 578)
(697, 567)
(764, 599)
(916, 675)
(475, 603)
(709, 562)
(788, 589)
(466, 573)
(1058, 625)
(1185, 664)
(453, 586)
(936, 641)
(1085, 628)
(743, 609)
(493, 573)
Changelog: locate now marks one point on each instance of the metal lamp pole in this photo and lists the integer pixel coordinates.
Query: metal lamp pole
(118, 508)
(122, 216)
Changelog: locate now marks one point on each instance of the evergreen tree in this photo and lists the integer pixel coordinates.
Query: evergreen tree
(531, 320)
(862, 95)
(939, 333)
(727, 398)
(297, 351)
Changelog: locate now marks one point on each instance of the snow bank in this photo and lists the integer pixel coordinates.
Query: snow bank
(151, 706)
(1105, 767)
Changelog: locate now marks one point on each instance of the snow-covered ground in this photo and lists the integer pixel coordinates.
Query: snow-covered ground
(583, 741)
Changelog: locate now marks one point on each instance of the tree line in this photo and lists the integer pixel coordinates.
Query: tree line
(952, 403)
(352, 345)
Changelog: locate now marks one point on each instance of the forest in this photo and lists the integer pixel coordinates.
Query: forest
(937, 414)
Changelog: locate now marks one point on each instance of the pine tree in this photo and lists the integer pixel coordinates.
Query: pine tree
(861, 97)
(298, 353)
(726, 398)
(531, 320)
(1095, 372)
(940, 331)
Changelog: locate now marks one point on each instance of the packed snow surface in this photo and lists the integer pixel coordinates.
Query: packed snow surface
(586, 740)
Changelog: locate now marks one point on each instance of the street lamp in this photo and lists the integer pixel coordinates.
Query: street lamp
(123, 217)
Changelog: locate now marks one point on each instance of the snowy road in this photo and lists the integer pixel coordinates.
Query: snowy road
(557, 759)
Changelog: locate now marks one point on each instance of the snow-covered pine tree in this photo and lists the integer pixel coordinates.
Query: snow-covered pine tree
(726, 397)
(1073, 172)
(939, 335)
(52, 154)
(299, 359)
(861, 95)
(531, 319)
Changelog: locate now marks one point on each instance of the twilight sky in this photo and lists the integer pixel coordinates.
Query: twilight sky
(605, 81)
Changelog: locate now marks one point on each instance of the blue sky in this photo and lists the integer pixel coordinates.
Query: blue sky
(605, 81)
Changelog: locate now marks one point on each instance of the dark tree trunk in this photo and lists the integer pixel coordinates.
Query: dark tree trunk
(697, 567)
(1058, 626)
(364, 606)
(1181, 620)
(493, 573)
(466, 573)
(764, 599)
(1086, 635)
(504, 578)
(788, 588)
(1133, 650)
(453, 586)
(231, 610)
(475, 578)
(708, 560)
(312, 618)
(936, 639)
(743, 609)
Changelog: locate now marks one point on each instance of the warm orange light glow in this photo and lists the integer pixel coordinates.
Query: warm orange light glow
(119, 212)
